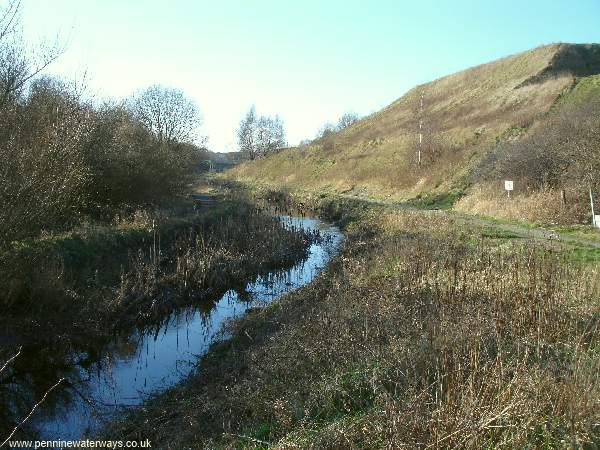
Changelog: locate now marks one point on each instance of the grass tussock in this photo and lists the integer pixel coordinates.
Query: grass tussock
(419, 335)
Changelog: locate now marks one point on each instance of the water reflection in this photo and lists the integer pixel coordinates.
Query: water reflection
(130, 368)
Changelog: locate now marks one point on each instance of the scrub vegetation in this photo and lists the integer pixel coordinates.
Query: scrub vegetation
(98, 236)
(144, 268)
(68, 158)
(428, 330)
(421, 333)
(81, 289)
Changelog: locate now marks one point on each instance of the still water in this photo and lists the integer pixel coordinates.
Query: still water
(135, 367)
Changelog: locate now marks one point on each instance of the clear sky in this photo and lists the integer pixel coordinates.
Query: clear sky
(308, 61)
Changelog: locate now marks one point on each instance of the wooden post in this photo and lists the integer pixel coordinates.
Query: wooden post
(420, 130)
(592, 204)
(563, 197)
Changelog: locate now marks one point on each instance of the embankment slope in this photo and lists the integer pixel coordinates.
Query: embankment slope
(463, 116)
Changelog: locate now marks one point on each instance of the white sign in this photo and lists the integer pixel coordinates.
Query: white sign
(508, 185)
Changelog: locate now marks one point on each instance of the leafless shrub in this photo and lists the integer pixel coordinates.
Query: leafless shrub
(19, 64)
(560, 152)
(64, 160)
(44, 173)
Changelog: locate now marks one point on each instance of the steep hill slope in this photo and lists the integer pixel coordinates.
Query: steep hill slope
(463, 116)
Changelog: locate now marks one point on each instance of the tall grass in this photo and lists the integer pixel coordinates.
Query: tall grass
(71, 295)
(540, 206)
(209, 259)
(141, 269)
(420, 335)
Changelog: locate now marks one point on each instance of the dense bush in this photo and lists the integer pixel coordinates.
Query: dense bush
(44, 174)
(561, 151)
(131, 166)
(64, 159)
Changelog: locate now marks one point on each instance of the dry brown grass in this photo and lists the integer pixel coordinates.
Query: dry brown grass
(420, 335)
(544, 206)
(227, 250)
(463, 115)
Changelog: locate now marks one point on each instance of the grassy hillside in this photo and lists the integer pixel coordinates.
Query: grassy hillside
(464, 116)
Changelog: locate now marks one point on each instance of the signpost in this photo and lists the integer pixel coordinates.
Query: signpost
(508, 185)
(592, 204)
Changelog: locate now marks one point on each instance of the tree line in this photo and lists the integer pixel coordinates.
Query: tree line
(258, 136)
(65, 158)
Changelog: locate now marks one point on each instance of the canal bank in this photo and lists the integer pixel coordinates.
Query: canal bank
(424, 331)
(203, 277)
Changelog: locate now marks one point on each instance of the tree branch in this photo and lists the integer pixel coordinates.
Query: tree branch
(31, 412)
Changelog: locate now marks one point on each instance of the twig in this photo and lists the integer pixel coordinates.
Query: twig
(11, 359)
(31, 412)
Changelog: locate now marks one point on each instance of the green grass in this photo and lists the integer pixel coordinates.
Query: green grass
(582, 231)
(496, 233)
(83, 250)
(88, 244)
(441, 200)
(584, 89)
(511, 132)
(587, 255)
(80, 247)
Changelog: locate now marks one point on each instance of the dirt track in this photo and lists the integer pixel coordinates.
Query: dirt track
(537, 233)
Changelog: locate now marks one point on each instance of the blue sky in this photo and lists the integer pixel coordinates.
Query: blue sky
(308, 61)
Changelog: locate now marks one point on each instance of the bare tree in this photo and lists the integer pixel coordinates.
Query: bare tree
(325, 130)
(9, 18)
(167, 113)
(270, 135)
(18, 63)
(347, 119)
(246, 134)
(259, 136)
